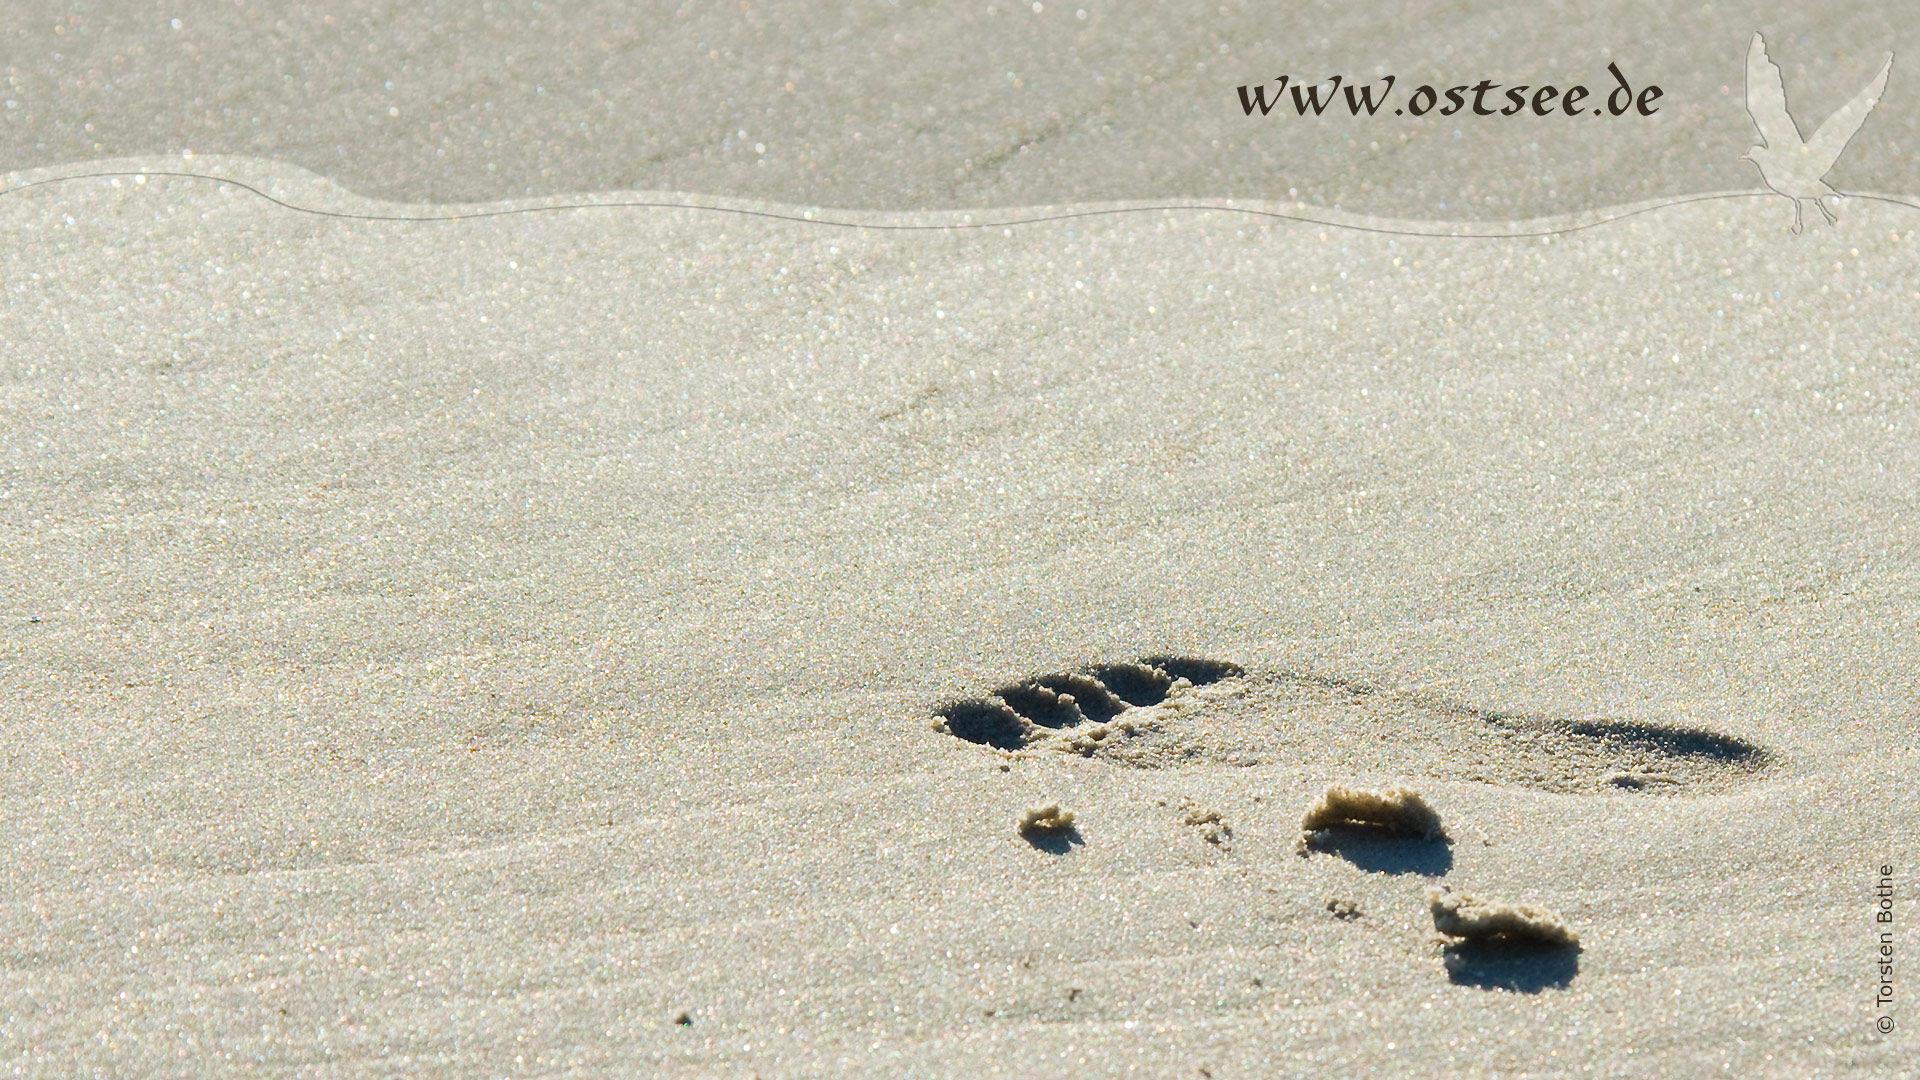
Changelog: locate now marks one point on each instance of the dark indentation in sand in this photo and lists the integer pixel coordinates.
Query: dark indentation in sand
(1196, 670)
(1016, 714)
(1520, 966)
(989, 722)
(1545, 753)
(1044, 706)
(1383, 852)
(1135, 684)
(1055, 842)
(1677, 742)
(1627, 737)
(1096, 702)
(1256, 718)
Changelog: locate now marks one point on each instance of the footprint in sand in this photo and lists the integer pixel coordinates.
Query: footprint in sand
(1183, 711)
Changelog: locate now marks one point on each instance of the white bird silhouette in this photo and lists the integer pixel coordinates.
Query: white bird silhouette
(1788, 164)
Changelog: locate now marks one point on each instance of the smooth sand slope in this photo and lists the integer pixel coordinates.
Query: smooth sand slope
(467, 648)
(913, 106)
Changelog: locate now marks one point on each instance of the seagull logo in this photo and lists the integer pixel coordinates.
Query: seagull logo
(1788, 164)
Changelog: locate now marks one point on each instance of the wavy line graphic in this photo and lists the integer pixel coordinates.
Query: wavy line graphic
(273, 192)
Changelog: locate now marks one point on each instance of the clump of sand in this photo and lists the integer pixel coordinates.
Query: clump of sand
(1045, 820)
(1209, 824)
(1464, 916)
(1396, 809)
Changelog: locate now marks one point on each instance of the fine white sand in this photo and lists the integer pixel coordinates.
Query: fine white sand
(458, 648)
(512, 645)
(907, 106)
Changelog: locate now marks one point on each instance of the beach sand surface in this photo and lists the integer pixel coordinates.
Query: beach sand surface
(512, 645)
(916, 107)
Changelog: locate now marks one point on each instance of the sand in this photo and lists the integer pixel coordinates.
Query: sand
(512, 646)
(913, 107)
(1397, 810)
(1474, 920)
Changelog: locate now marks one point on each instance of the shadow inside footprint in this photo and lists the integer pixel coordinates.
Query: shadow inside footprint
(1048, 707)
(1045, 706)
(1197, 670)
(989, 723)
(1055, 841)
(1135, 684)
(1382, 852)
(1522, 967)
(1659, 740)
(1254, 717)
(1094, 700)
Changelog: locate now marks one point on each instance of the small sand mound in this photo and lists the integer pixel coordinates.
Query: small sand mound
(1398, 809)
(1463, 916)
(1045, 820)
